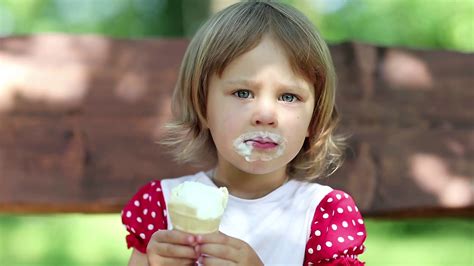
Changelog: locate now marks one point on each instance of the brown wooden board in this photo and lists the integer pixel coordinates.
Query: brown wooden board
(80, 115)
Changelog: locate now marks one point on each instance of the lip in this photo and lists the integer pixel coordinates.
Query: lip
(262, 143)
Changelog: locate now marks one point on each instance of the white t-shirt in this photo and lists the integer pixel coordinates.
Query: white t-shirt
(276, 226)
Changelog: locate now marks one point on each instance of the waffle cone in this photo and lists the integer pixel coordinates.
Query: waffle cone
(184, 218)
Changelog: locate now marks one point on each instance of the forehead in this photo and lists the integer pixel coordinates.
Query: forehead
(266, 60)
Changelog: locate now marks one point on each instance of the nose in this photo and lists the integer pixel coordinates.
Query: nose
(265, 114)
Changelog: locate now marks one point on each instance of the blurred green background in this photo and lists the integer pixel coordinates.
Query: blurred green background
(99, 239)
(444, 24)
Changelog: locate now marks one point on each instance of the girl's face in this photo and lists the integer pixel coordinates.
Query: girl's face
(259, 110)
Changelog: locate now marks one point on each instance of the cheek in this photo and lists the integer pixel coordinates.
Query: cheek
(297, 129)
(297, 135)
(229, 120)
(225, 127)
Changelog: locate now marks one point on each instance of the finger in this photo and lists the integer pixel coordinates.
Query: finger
(170, 261)
(220, 251)
(212, 261)
(173, 237)
(219, 238)
(173, 251)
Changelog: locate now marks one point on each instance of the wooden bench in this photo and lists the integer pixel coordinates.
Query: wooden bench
(79, 117)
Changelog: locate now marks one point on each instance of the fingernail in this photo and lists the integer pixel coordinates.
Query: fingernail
(190, 239)
(199, 238)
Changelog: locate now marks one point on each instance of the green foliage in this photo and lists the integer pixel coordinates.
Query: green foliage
(100, 240)
(446, 24)
(117, 18)
(442, 24)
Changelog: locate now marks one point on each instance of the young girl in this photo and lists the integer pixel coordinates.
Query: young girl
(255, 97)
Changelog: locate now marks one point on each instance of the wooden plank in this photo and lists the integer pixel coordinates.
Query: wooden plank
(69, 160)
(79, 117)
(429, 170)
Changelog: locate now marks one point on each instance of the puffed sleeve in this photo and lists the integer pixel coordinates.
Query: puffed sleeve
(143, 215)
(337, 232)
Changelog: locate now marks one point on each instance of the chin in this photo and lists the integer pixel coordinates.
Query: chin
(261, 167)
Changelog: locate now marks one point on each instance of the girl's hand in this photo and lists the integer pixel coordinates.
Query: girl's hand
(171, 247)
(221, 249)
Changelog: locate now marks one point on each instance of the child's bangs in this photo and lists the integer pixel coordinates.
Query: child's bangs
(300, 41)
(240, 30)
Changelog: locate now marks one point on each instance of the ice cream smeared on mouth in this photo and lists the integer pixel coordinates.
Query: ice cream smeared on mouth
(260, 145)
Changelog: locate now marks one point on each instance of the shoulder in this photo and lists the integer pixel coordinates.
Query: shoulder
(338, 198)
(307, 195)
(149, 194)
(337, 206)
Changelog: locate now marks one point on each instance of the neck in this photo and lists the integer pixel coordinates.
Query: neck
(248, 186)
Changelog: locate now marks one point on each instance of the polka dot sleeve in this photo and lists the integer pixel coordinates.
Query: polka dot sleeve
(337, 232)
(144, 214)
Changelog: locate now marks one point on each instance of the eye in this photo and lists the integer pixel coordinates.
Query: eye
(243, 94)
(288, 97)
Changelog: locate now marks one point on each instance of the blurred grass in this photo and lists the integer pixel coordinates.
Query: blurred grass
(100, 240)
(62, 240)
(420, 242)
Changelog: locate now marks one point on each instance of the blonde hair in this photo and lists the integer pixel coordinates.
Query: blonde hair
(229, 34)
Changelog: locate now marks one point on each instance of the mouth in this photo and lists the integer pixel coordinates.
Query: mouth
(262, 143)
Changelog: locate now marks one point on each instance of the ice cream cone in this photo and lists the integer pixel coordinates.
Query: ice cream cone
(184, 218)
(193, 209)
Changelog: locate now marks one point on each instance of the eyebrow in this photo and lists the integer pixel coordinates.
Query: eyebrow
(251, 83)
(240, 82)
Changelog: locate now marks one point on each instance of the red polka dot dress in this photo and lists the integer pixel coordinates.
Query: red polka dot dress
(145, 214)
(336, 233)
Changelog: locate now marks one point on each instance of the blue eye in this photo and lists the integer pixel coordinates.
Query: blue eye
(242, 94)
(288, 97)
